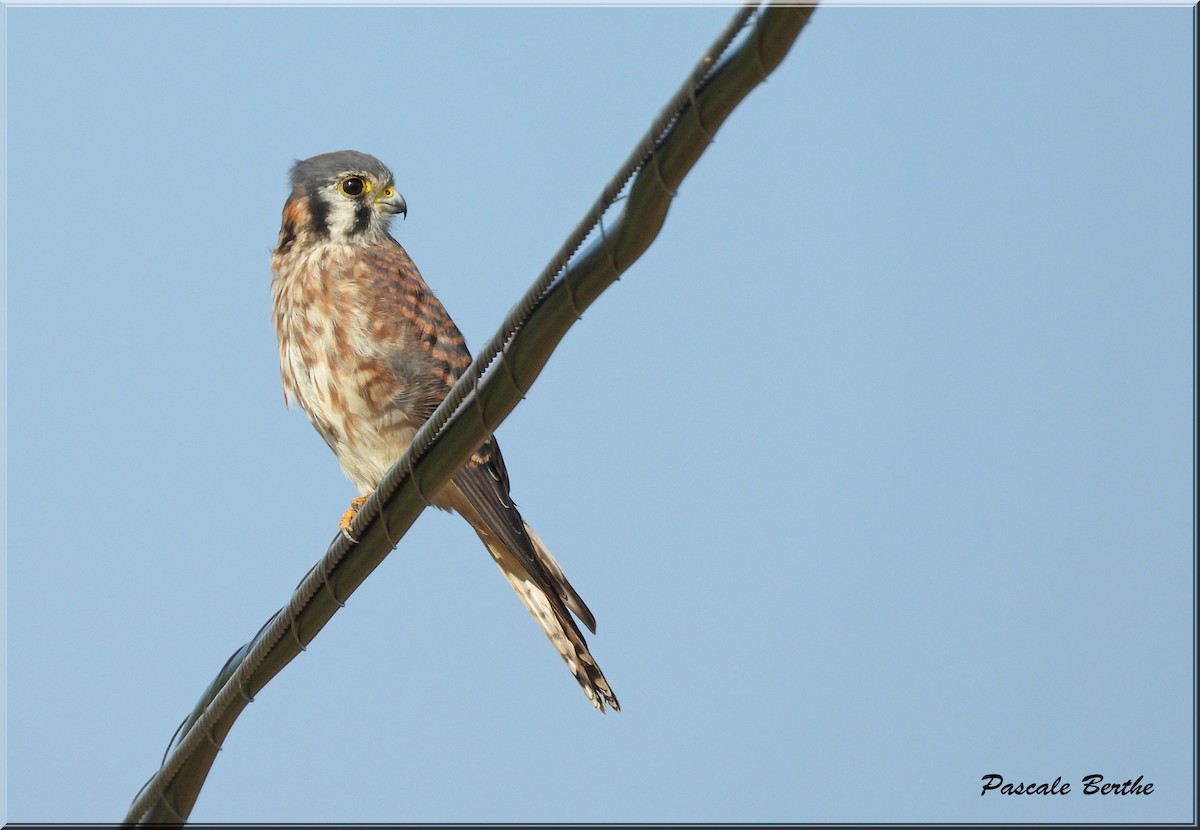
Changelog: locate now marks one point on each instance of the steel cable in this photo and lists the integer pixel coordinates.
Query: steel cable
(523, 344)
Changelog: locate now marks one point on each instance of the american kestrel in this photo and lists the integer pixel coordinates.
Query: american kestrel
(369, 352)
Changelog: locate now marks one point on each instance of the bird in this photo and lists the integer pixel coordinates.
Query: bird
(368, 352)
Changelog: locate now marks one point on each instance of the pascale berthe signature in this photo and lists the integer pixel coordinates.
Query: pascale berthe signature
(1092, 785)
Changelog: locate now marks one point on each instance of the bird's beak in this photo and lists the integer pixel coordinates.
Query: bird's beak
(392, 202)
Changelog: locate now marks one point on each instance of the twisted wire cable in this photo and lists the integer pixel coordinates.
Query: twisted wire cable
(524, 342)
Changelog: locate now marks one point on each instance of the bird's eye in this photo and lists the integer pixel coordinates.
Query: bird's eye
(354, 186)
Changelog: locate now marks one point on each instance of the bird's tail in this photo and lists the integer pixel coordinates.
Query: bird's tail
(549, 604)
(482, 499)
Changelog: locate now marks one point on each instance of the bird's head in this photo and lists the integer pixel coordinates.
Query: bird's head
(346, 197)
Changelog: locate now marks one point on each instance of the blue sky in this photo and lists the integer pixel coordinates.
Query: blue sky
(876, 469)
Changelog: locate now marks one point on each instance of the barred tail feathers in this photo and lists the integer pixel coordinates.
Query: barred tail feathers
(552, 615)
(481, 498)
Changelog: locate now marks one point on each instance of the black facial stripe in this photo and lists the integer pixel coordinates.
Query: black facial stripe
(362, 219)
(319, 211)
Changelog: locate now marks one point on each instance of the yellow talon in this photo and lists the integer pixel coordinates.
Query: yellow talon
(349, 515)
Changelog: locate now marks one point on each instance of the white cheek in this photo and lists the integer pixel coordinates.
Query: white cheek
(342, 221)
(342, 218)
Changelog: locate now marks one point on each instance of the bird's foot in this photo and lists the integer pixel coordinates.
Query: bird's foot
(348, 516)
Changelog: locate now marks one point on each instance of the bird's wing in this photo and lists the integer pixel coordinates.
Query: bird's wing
(427, 354)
